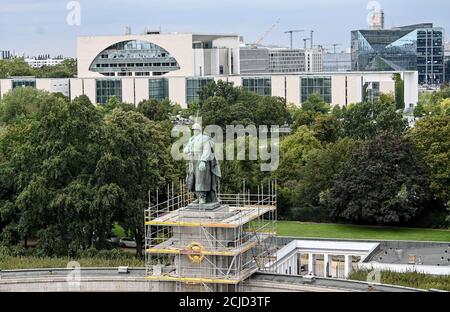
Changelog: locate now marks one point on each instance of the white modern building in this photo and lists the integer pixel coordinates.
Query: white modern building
(336, 88)
(41, 62)
(258, 60)
(172, 55)
(314, 60)
(176, 66)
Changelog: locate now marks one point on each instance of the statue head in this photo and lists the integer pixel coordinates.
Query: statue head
(197, 128)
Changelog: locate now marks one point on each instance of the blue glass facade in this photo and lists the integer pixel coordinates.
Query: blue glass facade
(417, 47)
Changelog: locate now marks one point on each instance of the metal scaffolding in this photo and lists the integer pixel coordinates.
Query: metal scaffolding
(216, 251)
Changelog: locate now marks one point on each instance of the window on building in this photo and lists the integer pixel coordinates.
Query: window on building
(371, 92)
(139, 56)
(193, 85)
(259, 85)
(107, 88)
(158, 89)
(22, 83)
(318, 85)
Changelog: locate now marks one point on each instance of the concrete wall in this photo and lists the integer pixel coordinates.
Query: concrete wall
(338, 90)
(89, 284)
(278, 86)
(5, 86)
(177, 91)
(293, 90)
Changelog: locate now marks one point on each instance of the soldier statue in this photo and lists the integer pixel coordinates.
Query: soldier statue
(203, 170)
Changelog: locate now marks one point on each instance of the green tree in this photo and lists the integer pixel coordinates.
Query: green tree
(399, 91)
(383, 183)
(219, 89)
(294, 151)
(23, 103)
(154, 110)
(270, 110)
(326, 128)
(366, 120)
(321, 168)
(431, 136)
(136, 161)
(310, 109)
(15, 67)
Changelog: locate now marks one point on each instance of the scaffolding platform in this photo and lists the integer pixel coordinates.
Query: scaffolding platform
(212, 249)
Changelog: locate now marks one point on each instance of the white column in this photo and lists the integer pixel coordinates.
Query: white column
(311, 263)
(326, 259)
(347, 265)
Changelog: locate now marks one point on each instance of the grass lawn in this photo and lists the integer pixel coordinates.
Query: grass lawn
(325, 230)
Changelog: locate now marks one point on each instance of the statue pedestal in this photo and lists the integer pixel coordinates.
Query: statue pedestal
(204, 207)
(194, 214)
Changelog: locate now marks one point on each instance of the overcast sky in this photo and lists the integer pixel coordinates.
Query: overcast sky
(39, 26)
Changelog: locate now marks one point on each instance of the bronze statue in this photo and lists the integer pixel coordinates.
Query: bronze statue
(203, 171)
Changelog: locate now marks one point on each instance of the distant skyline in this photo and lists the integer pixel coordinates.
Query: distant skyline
(33, 27)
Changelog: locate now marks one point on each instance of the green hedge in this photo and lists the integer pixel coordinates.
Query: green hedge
(410, 279)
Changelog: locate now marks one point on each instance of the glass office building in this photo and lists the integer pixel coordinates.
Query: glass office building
(317, 85)
(447, 67)
(417, 47)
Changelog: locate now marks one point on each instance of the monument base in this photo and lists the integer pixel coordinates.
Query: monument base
(215, 211)
(203, 207)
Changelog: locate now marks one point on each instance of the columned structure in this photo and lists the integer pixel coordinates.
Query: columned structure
(322, 258)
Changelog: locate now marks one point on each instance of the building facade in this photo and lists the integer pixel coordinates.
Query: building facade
(336, 88)
(5, 55)
(258, 60)
(177, 66)
(337, 62)
(417, 47)
(156, 54)
(41, 62)
(314, 60)
(447, 66)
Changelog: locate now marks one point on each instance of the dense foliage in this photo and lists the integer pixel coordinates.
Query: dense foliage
(18, 67)
(409, 279)
(70, 170)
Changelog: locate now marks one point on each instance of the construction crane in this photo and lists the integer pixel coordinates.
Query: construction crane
(305, 40)
(334, 45)
(260, 39)
(291, 32)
